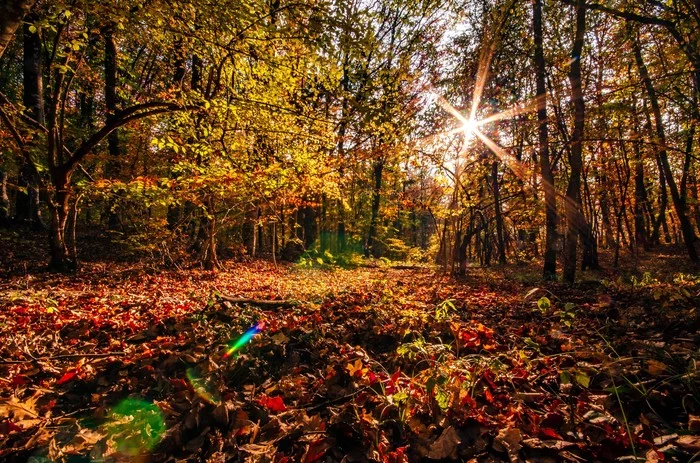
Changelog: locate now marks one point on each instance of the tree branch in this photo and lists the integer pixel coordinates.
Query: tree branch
(130, 114)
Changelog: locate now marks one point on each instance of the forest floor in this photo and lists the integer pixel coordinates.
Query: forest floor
(122, 362)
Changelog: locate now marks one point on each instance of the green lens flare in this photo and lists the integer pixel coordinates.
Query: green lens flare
(136, 426)
(201, 387)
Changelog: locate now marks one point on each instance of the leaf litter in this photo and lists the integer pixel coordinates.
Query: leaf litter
(367, 364)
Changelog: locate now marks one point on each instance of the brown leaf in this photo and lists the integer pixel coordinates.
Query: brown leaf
(508, 440)
(445, 446)
(220, 414)
(689, 443)
(694, 423)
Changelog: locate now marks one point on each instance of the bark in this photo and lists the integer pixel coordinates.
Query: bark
(12, 13)
(696, 198)
(573, 190)
(371, 248)
(640, 199)
(676, 198)
(59, 209)
(500, 241)
(111, 99)
(609, 238)
(308, 219)
(4, 198)
(28, 206)
(550, 199)
(210, 257)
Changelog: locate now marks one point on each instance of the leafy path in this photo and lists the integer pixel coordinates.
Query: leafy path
(370, 365)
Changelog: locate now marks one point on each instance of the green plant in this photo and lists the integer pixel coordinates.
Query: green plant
(567, 315)
(647, 280)
(443, 309)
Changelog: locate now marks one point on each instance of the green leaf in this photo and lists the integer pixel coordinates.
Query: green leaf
(565, 377)
(583, 379)
(442, 399)
(33, 29)
(544, 304)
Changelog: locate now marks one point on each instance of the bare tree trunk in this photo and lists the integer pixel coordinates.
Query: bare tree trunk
(573, 190)
(370, 249)
(641, 236)
(28, 205)
(500, 240)
(550, 199)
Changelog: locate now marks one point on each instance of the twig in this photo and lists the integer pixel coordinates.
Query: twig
(332, 401)
(61, 356)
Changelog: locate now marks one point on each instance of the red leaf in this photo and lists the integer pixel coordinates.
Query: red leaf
(551, 433)
(19, 380)
(275, 404)
(316, 450)
(67, 377)
(7, 427)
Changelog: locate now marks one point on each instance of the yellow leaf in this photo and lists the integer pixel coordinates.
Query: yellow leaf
(352, 369)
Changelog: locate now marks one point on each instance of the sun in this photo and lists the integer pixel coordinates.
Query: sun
(469, 127)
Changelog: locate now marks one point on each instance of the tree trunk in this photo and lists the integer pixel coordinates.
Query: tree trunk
(28, 206)
(371, 248)
(550, 199)
(678, 202)
(111, 99)
(210, 259)
(59, 209)
(573, 190)
(500, 240)
(641, 233)
(11, 14)
(309, 225)
(4, 198)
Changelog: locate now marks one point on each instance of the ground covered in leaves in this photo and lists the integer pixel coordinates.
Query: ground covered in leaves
(119, 363)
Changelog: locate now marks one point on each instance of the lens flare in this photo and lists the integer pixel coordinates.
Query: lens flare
(136, 426)
(244, 339)
(200, 386)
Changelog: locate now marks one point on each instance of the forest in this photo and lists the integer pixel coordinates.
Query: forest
(349, 230)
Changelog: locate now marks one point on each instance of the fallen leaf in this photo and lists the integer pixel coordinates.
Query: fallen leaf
(508, 441)
(689, 443)
(655, 368)
(446, 445)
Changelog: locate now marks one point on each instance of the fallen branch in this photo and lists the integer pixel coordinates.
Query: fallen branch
(262, 303)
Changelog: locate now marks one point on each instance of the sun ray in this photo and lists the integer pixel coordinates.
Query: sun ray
(518, 168)
(517, 110)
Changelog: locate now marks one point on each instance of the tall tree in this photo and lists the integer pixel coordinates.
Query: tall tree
(677, 198)
(573, 210)
(550, 199)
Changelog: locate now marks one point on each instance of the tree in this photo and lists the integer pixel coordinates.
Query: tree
(574, 214)
(550, 200)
